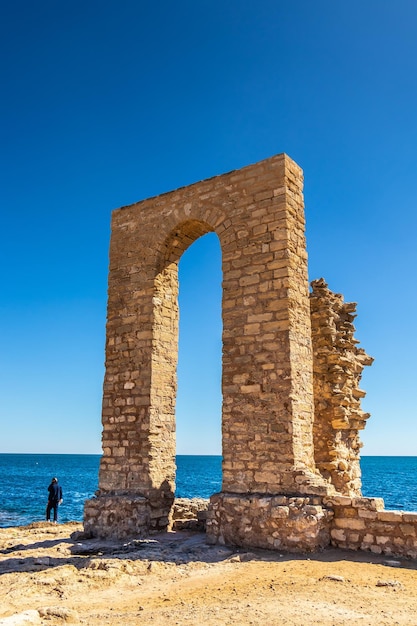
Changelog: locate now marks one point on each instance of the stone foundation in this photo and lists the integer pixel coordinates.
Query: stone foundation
(121, 516)
(293, 524)
(302, 524)
(116, 516)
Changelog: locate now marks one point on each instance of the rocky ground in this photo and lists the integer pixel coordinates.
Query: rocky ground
(50, 576)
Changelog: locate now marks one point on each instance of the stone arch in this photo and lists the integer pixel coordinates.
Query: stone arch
(267, 385)
(180, 238)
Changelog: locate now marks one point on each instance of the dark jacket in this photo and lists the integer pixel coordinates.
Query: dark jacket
(55, 493)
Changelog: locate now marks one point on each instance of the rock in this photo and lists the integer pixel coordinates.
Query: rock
(79, 535)
(393, 563)
(21, 619)
(248, 556)
(334, 577)
(67, 615)
(189, 514)
(389, 583)
(188, 524)
(240, 558)
(235, 559)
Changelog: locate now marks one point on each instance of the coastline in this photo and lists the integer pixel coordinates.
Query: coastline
(24, 477)
(51, 575)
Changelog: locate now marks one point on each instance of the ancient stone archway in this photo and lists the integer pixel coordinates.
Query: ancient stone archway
(258, 215)
(291, 369)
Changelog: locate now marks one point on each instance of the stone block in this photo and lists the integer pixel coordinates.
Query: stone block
(408, 529)
(338, 501)
(349, 523)
(390, 516)
(338, 534)
(372, 504)
(382, 541)
(399, 542)
(280, 512)
(366, 514)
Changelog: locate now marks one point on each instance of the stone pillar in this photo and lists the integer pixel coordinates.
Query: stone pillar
(137, 469)
(267, 355)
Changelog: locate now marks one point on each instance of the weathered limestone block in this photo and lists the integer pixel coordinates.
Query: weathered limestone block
(337, 370)
(350, 523)
(188, 508)
(371, 515)
(338, 535)
(370, 504)
(390, 516)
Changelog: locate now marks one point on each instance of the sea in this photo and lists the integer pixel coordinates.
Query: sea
(24, 479)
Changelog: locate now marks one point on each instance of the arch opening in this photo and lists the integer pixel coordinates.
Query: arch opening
(199, 371)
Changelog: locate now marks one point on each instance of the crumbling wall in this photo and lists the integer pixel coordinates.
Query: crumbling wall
(363, 524)
(189, 514)
(302, 524)
(337, 369)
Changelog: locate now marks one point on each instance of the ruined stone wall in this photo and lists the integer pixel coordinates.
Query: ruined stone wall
(363, 524)
(337, 365)
(302, 524)
(189, 514)
(280, 472)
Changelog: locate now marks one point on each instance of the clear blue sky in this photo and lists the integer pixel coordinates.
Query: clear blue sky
(105, 103)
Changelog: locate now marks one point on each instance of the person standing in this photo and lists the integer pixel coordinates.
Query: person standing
(54, 499)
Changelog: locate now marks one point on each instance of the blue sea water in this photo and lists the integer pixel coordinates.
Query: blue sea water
(24, 479)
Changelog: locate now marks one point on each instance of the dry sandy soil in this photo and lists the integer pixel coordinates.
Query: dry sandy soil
(50, 576)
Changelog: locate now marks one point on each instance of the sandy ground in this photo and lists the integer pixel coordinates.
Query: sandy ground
(48, 575)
